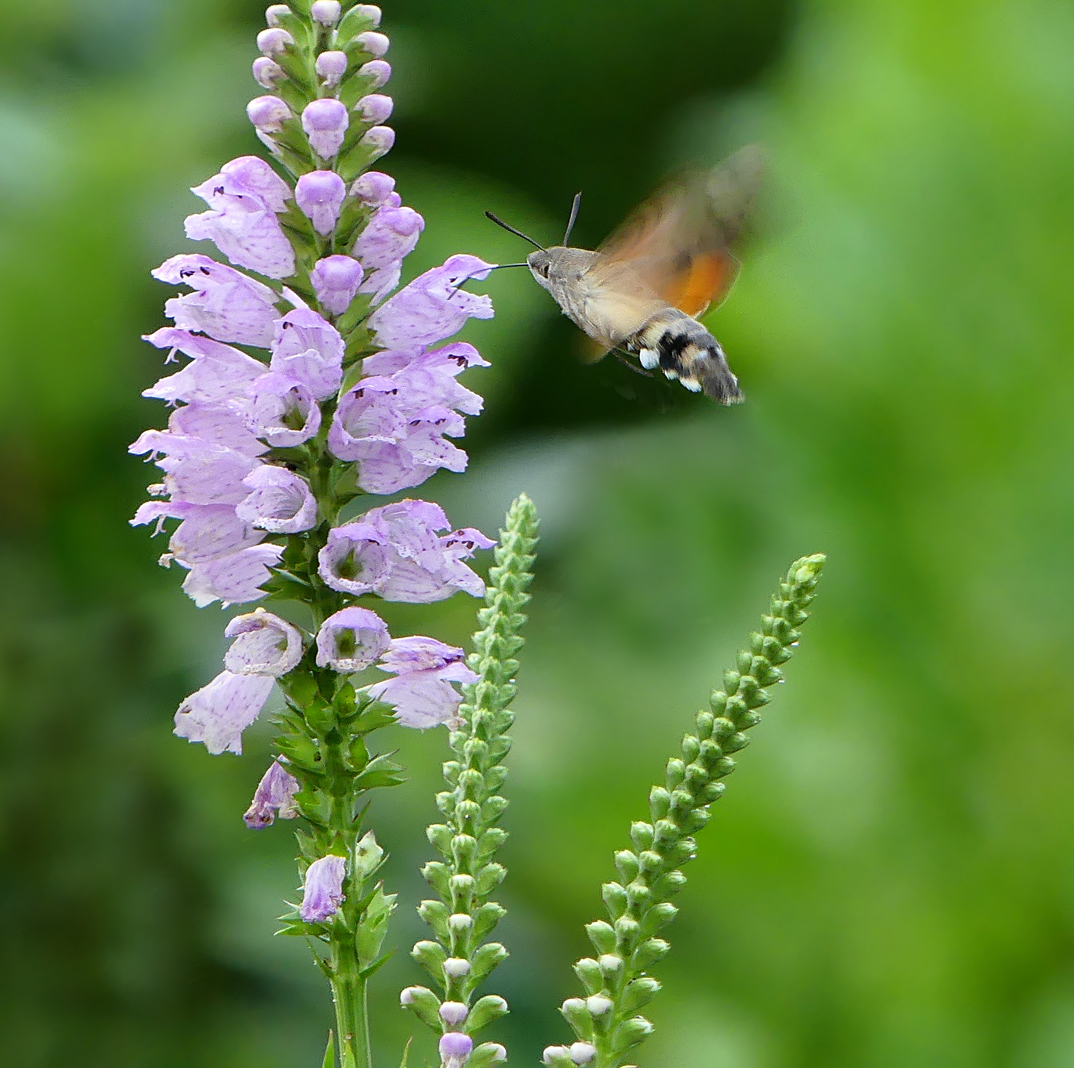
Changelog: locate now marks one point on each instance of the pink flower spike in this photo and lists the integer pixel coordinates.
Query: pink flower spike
(331, 66)
(323, 891)
(264, 644)
(274, 797)
(351, 640)
(218, 713)
(320, 195)
(336, 280)
(325, 122)
(375, 108)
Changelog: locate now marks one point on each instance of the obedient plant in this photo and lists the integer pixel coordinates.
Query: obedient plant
(315, 394)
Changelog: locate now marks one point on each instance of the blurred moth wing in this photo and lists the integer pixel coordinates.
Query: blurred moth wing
(643, 288)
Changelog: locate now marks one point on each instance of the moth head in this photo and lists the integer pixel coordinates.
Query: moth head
(540, 265)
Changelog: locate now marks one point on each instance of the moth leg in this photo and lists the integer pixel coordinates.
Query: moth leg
(621, 355)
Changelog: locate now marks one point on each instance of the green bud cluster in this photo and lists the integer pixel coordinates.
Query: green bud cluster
(464, 915)
(628, 943)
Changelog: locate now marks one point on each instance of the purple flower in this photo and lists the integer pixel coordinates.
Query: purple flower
(217, 374)
(376, 189)
(274, 796)
(376, 44)
(233, 579)
(377, 141)
(432, 307)
(206, 531)
(421, 691)
(282, 410)
(395, 551)
(325, 122)
(268, 114)
(323, 892)
(375, 108)
(391, 235)
(274, 41)
(455, 1049)
(331, 66)
(225, 304)
(308, 348)
(326, 12)
(335, 280)
(264, 645)
(280, 501)
(267, 72)
(351, 640)
(197, 471)
(376, 73)
(216, 423)
(219, 712)
(245, 198)
(320, 195)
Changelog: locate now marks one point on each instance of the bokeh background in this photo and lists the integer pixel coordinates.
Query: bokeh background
(889, 882)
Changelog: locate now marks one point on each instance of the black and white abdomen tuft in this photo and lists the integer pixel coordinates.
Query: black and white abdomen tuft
(683, 349)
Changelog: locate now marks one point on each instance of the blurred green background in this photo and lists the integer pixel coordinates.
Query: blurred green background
(890, 880)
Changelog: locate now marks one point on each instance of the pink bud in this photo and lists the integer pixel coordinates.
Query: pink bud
(375, 108)
(373, 188)
(370, 12)
(378, 71)
(325, 122)
(274, 41)
(267, 72)
(379, 139)
(268, 113)
(320, 195)
(326, 12)
(331, 66)
(376, 44)
(453, 1013)
(455, 1048)
(335, 281)
(275, 12)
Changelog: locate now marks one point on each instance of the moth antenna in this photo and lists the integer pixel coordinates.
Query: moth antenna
(573, 219)
(510, 229)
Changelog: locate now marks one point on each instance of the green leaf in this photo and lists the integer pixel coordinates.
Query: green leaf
(329, 1059)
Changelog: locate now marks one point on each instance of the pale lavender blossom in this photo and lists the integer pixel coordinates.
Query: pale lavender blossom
(376, 189)
(326, 12)
(375, 108)
(274, 41)
(325, 122)
(331, 66)
(244, 199)
(233, 579)
(280, 501)
(351, 639)
(274, 797)
(215, 375)
(219, 712)
(267, 72)
(421, 692)
(264, 645)
(377, 141)
(335, 281)
(195, 470)
(282, 411)
(377, 72)
(397, 552)
(205, 531)
(391, 234)
(453, 1013)
(323, 891)
(320, 196)
(432, 307)
(376, 44)
(308, 348)
(225, 304)
(217, 423)
(455, 1049)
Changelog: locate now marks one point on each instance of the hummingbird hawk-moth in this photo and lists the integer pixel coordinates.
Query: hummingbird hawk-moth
(642, 290)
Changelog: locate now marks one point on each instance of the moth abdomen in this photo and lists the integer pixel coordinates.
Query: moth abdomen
(683, 349)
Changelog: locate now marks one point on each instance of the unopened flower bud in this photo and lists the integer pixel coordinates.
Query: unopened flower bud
(598, 1004)
(557, 1056)
(610, 963)
(456, 967)
(274, 41)
(455, 1048)
(335, 281)
(325, 122)
(582, 1053)
(490, 1053)
(370, 12)
(410, 993)
(275, 12)
(376, 44)
(268, 113)
(267, 72)
(375, 108)
(326, 12)
(459, 921)
(320, 195)
(379, 140)
(377, 71)
(367, 855)
(373, 188)
(331, 66)
(453, 1013)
